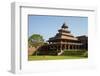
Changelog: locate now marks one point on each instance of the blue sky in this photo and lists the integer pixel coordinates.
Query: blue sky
(48, 26)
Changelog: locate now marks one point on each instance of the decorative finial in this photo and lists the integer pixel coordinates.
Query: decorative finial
(64, 25)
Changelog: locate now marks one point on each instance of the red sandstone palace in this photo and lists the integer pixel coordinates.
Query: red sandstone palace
(64, 40)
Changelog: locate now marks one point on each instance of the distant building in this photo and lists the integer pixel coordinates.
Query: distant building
(84, 40)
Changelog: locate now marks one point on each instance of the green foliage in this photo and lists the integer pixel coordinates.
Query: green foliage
(85, 54)
(35, 40)
(47, 52)
(36, 37)
(74, 52)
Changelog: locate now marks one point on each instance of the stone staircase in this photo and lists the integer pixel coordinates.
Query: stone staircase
(60, 53)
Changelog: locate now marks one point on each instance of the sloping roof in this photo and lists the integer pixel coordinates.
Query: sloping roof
(63, 38)
(82, 36)
(63, 34)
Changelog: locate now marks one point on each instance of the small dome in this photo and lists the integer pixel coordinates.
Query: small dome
(64, 25)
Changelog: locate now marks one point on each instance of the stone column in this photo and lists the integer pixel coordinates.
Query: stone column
(57, 47)
(75, 47)
(72, 47)
(65, 47)
(61, 47)
(78, 47)
(68, 47)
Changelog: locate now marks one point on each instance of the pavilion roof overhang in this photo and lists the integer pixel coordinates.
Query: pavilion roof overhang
(59, 39)
(61, 30)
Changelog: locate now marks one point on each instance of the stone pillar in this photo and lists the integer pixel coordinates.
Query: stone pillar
(78, 47)
(65, 47)
(72, 47)
(53, 47)
(68, 47)
(81, 47)
(75, 47)
(61, 47)
(57, 47)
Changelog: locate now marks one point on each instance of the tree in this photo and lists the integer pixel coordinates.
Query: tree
(35, 40)
(36, 37)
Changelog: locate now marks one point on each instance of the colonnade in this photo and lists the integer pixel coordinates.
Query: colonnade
(65, 46)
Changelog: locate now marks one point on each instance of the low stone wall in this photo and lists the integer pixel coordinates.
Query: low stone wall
(31, 50)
